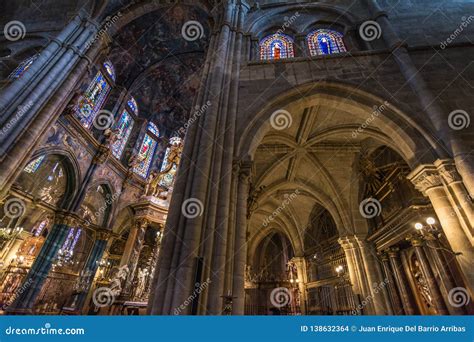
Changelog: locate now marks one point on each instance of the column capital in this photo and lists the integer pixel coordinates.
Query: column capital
(103, 234)
(66, 218)
(383, 255)
(393, 252)
(415, 240)
(448, 171)
(425, 177)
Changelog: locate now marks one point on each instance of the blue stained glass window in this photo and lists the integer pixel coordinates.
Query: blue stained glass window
(168, 179)
(21, 69)
(124, 126)
(133, 105)
(34, 164)
(153, 129)
(145, 155)
(109, 68)
(276, 46)
(325, 42)
(93, 100)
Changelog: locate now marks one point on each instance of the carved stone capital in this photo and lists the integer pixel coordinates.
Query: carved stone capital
(66, 218)
(393, 252)
(103, 234)
(245, 170)
(448, 171)
(415, 240)
(425, 177)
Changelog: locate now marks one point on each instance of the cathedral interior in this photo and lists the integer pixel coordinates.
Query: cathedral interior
(236, 157)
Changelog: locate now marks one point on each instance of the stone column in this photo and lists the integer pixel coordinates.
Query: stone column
(92, 263)
(42, 93)
(406, 295)
(374, 276)
(204, 179)
(458, 195)
(132, 251)
(392, 286)
(42, 265)
(426, 178)
(302, 280)
(440, 306)
(428, 101)
(240, 245)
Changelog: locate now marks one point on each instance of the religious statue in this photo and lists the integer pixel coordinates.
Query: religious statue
(118, 279)
(153, 188)
(141, 283)
(111, 136)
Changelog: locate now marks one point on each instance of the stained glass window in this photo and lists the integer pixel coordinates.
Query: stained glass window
(93, 99)
(34, 164)
(133, 105)
(145, 155)
(168, 179)
(153, 129)
(41, 227)
(276, 46)
(124, 127)
(325, 42)
(109, 68)
(21, 69)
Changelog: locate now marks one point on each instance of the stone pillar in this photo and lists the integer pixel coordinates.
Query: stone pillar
(426, 178)
(458, 196)
(300, 263)
(204, 179)
(92, 263)
(428, 101)
(406, 295)
(240, 245)
(132, 251)
(392, 286)
(360, 286)
(374, 276)
(42, 93)
(42, 265)
(440, 306)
